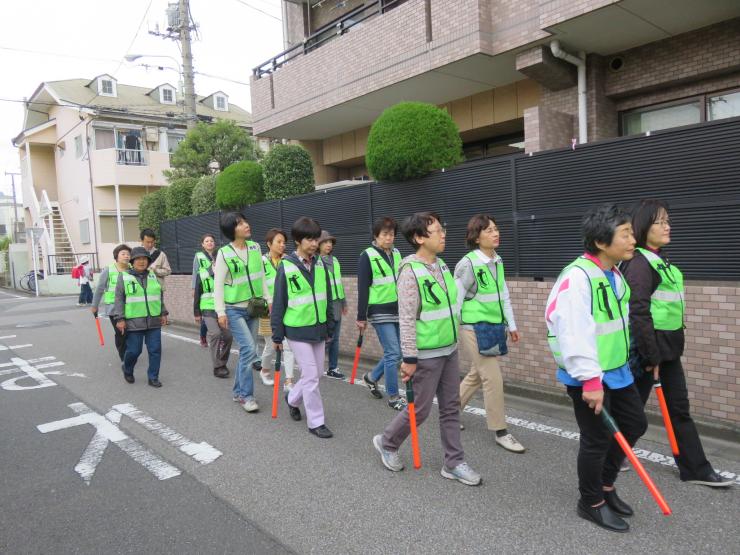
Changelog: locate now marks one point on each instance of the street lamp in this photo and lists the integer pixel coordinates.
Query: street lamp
(134, 57)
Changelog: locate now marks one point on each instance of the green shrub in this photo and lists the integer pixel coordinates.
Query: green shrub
(411, 139)
(204, 195)
(152, 210)
(177, 198)
(288, 172)
(240, 184)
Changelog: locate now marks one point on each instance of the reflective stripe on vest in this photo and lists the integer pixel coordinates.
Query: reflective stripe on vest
(307, 305)
(109, 297)
(610, 313)
(436, 324)
(486, 304)
(245, 282)
(337, 288)
(667, 301)
(203, 260)
(141, 303)
(383, 285)
(207, 301)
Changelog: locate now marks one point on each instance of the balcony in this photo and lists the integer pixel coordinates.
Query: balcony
(126, 167)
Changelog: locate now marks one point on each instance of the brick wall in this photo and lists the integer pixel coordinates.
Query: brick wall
(711, 361)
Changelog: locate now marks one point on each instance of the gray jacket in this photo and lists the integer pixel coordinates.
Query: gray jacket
(135, 324)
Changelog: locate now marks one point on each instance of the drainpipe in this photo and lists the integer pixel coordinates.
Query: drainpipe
(92, 192)
(580, 63)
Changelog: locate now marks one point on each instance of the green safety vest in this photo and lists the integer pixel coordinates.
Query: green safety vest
(337, 291)
(610, 313)
(141, 302)
(203, 260)
(109, 297)
(486, 305)
(383, 286)
(436, 323)
(270, 273)
(245, 282)
(307, 305)
(207, 302)
(667, 301)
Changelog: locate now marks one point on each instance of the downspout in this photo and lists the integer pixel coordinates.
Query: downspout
(92, 191)
(580, 63)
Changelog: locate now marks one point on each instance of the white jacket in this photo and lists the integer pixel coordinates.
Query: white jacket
(568, 317)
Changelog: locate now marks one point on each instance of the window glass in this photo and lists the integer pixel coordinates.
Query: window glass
(104, 138)
(167, 95)
(661, 118)
(85, 232)
(220, 103)
(107, 87)
(109, 229)
(78, 146)
(723, 106)
(173, 141)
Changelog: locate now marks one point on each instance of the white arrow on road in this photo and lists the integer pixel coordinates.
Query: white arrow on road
(31, 368)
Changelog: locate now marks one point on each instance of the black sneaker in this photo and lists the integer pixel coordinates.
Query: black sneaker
(155, 383)
(602, 516)
(334, 373)
(321, 431)
(129, 378)
(372, 386)
(257, 366)
(399, 403)
(713, 480)
(295, 412)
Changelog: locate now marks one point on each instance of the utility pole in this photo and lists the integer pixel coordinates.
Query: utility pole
(187, 63)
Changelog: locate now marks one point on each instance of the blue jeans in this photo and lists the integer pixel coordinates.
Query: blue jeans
(203, 328)
(244, 330)
(333, 347)
(390, 339)
(86, 294)
(134, 345)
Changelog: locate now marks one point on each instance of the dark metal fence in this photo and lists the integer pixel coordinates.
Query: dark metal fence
(537, 201)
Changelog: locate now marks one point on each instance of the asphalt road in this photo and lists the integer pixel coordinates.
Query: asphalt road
(148, 483)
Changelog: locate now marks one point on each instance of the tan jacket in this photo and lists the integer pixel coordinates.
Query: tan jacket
(161, 268)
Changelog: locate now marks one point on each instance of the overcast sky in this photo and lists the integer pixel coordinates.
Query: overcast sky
(84, 38)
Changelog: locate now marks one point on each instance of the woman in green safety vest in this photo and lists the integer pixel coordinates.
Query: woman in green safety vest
(239, 278)
(106, 292)
(204, 258)
(327, 242)
(204, 308)
(485, 300)
(302, 313)
(657, 309)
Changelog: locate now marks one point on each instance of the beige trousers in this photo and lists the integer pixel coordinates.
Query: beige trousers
(484, 372)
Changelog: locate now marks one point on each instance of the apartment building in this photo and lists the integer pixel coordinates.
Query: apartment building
(515, 75)
(89, 150)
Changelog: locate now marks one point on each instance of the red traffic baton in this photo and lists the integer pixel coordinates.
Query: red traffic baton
(412, 425)
(276, 385)
(666, 418)
(357, 358)
(634, 461)
(100, 330)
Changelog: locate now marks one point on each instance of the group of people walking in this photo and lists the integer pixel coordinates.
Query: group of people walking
(614, 317)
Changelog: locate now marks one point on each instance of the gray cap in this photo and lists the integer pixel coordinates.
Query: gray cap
(138, 252)
(326, 236)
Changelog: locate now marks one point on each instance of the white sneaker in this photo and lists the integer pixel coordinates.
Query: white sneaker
(287, 386)
(462, 473)
(250, 405)
(266, 379)
(509, 443)
(390, 459)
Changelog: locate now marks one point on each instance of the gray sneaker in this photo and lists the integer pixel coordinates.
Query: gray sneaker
(462, 473)
(390, 459)
(250, 405)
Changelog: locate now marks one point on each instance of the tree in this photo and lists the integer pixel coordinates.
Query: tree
(152, 210)
(203, 199)
(288, 172)
(240, 184)
(411, 139)
(222, 143)
(177, 198)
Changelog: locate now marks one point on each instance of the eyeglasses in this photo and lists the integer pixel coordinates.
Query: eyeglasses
(662, 223)
(441, 231)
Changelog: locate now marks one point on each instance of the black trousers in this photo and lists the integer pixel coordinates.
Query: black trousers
(599, 455)
(120, 340)
(692, 463)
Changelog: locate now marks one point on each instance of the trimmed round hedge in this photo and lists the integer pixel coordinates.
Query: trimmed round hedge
(411, 139)
(288, 172)
(239, 185)
(152, 210)
(204, 195)
(177, 198)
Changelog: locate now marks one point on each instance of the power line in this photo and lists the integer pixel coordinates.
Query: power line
(259, 10)
(57, 54)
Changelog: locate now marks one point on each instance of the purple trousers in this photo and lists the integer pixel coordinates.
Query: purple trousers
(310, 359)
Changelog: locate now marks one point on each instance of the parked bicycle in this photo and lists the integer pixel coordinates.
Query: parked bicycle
(28, 281)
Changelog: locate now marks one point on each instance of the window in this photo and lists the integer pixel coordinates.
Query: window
(109, 229)
(104, 138)
(661, 117)
(107, 86)
(166, 95)
(85, 232)
(495, 146)
(3, 230)
(221, 104)
(78, 146)
(723, 106)
(173, 141)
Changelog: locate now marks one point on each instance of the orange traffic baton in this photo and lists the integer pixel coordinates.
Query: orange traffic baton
(634, 461)
(357, 357)
(100, 330)
(412, 425)
(276, 385)
(666, 418)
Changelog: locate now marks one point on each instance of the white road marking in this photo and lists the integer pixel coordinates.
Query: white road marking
(14, 347)
(30, 372)
(30, 361)
(12, 295)
(7, 337)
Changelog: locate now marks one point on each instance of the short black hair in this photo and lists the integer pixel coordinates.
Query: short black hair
(147, 232)
(476, 226)
(228, 223)
(386, 223)
(416, 225)
(206, 235)
(644, 216)
(305, 228)
(118, 250)
(599, 225)
(274, 232)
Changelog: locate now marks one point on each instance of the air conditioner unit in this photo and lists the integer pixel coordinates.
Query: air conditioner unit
(152, 134)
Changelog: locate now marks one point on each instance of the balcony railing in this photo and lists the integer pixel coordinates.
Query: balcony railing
(327, 33)
(130, 157)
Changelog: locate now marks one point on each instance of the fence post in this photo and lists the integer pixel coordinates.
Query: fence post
(515, 217)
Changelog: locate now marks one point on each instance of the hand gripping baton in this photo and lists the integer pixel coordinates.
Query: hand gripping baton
(666, 418)
(634, 461)
(100, 330)
(276, 385)
(357, 358)
(412, 425)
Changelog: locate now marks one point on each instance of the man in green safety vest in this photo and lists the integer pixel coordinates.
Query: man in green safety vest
(140, 313)
(105, 292)
(428, 320)
(587, 318)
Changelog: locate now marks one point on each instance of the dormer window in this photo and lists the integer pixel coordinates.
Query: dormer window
(166, 95)
(106, 86)
(222, 104)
